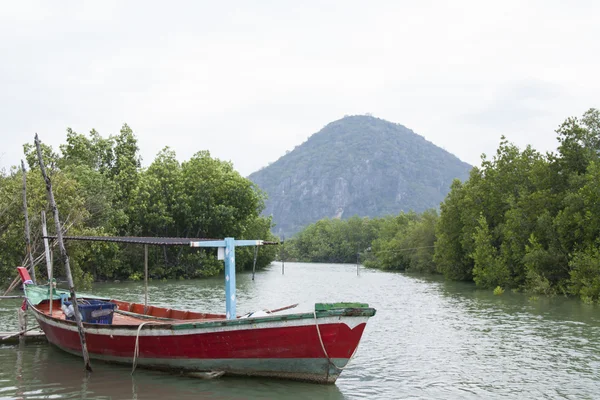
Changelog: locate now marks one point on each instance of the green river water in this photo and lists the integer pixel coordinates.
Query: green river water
(430, 339)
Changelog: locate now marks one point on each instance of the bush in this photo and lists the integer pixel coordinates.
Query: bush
(585, 274)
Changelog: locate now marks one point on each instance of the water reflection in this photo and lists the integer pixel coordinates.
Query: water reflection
(58, 375)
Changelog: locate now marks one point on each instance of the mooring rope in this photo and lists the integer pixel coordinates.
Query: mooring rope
(136, 350)
(325, 351)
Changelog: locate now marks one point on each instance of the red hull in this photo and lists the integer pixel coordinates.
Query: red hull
(280, 346)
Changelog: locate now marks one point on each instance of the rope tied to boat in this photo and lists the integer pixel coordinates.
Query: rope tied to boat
(325, 351)
(136, 350)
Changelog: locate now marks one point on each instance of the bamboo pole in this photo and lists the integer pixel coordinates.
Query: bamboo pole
(48, 260)
(357, 259)
(46, 246)
(27, 233)
(17, 279)
(22, 323)
(13, 285)
(283, 256)
(20, 333)
(64, 255)
(254, 265)
(37, 260)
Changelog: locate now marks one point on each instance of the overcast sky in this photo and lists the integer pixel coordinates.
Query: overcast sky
(249, 80)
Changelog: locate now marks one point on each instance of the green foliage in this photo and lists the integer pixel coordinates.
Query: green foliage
(332, 240)
(489, 269)
(403, 242)
(540, 263)
(450, 256)
(498, 291)
(585, 274)
(528, 221)
(101, 190)
(136, 276)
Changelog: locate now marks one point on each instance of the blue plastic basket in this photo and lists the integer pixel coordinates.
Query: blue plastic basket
(95, 311)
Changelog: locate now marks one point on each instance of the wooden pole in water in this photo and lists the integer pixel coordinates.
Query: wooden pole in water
(145, 278)
(283, 256)
(22, 321)
(254, 265)
(64, 255)
(357, 258)
(27, 234)
(48, 259)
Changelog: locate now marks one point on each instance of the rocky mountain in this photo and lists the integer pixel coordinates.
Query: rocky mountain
(358, 165)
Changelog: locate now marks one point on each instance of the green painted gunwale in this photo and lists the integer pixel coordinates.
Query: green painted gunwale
(339, 312)
(322, 310)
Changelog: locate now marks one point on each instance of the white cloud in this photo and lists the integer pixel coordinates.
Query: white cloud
(250, 81)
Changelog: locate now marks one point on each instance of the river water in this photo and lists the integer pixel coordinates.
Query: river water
(430, 339)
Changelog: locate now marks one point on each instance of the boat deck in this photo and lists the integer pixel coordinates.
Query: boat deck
(135, 314)
(118, 319)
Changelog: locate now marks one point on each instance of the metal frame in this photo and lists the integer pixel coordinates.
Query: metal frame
(228, 245)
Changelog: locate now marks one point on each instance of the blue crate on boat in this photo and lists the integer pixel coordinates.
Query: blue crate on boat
(95, 311)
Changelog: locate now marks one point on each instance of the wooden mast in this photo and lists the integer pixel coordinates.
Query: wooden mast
(64, 255)
(27, 234)
(48, 259)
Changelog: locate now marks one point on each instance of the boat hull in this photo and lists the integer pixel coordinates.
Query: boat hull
(295, 346)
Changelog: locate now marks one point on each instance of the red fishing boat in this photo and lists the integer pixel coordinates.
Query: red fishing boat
(310, 346)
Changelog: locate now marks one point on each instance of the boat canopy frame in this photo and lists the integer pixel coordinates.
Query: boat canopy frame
(225, 251)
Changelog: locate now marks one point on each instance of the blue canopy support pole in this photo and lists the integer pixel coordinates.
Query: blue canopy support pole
(229, 245)
(230, 300)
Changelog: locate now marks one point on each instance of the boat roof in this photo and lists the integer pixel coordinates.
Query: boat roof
(155, 241)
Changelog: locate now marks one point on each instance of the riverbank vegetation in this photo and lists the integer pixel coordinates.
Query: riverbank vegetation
(101, 190)
(523, 220)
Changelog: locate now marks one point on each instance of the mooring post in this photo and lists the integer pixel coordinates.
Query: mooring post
(357, 258)
(230, 299)
(64, 256)
(22, 324)
(254, 265)
(22, 320)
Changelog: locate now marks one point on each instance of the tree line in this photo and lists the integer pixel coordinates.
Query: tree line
(102, 190)
(522, 220)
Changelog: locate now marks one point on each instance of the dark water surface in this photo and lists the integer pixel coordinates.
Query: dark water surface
(430, 339)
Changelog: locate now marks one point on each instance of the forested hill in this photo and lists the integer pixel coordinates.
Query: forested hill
(358, 165)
